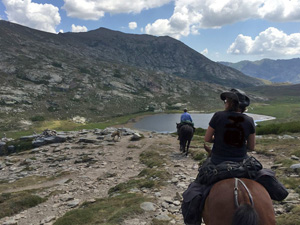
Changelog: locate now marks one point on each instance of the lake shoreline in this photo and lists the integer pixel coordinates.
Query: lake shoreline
(166, 122)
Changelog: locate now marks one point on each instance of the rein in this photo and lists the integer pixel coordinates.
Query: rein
(236, 195)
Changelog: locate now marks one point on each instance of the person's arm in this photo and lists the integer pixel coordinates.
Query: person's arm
(209, 135)
(251, 142)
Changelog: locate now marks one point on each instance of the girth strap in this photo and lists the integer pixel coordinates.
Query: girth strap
(236, 197)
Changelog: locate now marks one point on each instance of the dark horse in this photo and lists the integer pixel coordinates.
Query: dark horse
(185, 133)
(238, 201)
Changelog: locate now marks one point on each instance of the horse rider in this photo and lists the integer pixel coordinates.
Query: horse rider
(185, 118)
(232, 133)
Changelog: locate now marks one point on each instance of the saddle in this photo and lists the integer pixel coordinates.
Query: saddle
(210, 173)
(194, 197)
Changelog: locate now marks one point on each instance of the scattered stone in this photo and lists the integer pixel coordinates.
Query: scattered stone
(275, 166)
(136, 137)
(48, 219)
(294, 157)
(148, 206)
(73, 203)
(163, 217)
(86, 140)
(10, 222)
(295, 166)
(168, 199)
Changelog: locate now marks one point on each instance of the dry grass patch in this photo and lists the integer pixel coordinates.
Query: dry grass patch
(106, 211)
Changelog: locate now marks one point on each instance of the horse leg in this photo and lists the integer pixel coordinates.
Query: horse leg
(184, 145)
(187, 147)
(181, 144)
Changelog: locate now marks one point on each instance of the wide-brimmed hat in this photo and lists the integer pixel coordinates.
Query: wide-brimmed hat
(236, 95)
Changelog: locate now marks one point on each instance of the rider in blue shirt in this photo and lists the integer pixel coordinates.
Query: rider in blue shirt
(185, 117)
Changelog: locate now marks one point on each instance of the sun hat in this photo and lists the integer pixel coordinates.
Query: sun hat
(236, 95)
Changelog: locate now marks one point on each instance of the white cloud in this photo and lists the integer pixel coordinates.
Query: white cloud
(191, 15)
(78, 28)
(39, 16)
(204, 52)
(95, 9)
(270, 42)
(132, 25)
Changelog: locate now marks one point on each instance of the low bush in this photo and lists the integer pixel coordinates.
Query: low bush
(16, 146)
(13, 203)
(37, 118)
(291, 127)
(199, 131)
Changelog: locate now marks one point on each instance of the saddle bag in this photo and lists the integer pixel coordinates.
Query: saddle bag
(210, 173)
(193, 203)
(266, 178)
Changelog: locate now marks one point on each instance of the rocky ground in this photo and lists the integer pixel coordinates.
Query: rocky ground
(80, 168)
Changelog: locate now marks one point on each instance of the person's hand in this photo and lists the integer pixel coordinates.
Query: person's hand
(208, 149)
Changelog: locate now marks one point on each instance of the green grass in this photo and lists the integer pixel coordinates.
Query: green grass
(152, 159)
(279, 128)
(292, 218)
(283, 108)
(106, 211)
(20, 145)
(29, 181)
(68, 125)
(131, 184)
(13, 203)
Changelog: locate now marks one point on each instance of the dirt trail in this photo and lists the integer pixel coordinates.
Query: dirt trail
(113, 163)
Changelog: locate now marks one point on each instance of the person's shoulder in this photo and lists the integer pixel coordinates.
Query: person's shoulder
(220, 112)
(248, 118)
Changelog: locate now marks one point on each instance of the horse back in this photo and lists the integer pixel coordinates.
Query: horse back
(186, 131)
(220, 205)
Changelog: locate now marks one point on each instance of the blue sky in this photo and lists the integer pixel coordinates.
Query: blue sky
(222, 30)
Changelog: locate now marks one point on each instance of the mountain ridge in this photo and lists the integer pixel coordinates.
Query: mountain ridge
(277, 71)
(103, 73)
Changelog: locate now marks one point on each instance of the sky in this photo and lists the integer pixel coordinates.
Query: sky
(221, 30)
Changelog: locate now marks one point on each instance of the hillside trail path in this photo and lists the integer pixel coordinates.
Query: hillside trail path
(108, 164)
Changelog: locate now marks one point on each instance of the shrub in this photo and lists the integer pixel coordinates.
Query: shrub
(19, 146)
(13, 203)
(292, 127)
(57, 64)
(199, 131)
(37, 118)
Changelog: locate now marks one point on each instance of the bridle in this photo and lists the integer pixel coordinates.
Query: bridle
(236, 197)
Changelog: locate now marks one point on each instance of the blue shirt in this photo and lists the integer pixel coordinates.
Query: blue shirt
(186, 117)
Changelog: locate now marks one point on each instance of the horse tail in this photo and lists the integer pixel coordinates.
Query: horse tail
(245, 214)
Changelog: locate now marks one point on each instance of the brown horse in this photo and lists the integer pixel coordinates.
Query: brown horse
(238, 202)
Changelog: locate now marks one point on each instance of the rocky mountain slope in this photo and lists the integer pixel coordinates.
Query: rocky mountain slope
(277, 71)
(103, 73)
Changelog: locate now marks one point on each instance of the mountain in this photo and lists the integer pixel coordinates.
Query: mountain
(103, 73)
(273, 70)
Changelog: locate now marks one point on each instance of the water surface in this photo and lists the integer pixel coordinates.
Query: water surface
(166, 123)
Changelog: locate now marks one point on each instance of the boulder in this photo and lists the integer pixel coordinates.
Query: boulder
(136, 137)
